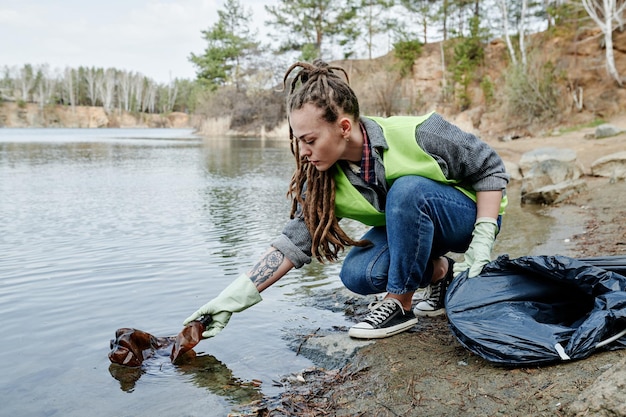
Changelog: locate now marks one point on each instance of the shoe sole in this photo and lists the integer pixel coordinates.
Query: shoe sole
(435, 313)
(358, 333)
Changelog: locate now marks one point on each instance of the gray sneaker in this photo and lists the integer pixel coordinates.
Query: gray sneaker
(433, 304)
(385, 319)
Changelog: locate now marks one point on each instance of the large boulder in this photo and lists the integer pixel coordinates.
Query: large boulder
(550, 175)
(612, 166)
(606, 130)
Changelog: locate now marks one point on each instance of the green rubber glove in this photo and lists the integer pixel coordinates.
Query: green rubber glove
(238, 296)
(479, 252)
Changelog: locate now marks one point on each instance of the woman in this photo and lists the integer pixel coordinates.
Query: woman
(425, 187)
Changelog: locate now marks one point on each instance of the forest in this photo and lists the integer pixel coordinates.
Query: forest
(238, 72)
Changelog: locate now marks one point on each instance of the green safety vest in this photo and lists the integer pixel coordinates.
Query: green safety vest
(403, 157)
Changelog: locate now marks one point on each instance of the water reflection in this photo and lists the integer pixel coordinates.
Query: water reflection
(204, 371)
(240, 157)
(245, 181)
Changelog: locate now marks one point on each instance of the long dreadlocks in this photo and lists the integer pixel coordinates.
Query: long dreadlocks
(318, 84)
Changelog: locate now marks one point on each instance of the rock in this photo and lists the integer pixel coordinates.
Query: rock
(549, 172)
(612, 166)
(606, 130)
(605, 397)
(550, 175)
(543, 154)
(546, 167)
(330, 349)
(552, 194)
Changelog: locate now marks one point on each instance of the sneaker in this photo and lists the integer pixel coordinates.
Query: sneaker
(434, 304)
(385, 319)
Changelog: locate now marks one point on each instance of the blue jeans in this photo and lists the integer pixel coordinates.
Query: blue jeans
(425, 220)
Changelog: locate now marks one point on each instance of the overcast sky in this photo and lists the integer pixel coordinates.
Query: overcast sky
(152, 37)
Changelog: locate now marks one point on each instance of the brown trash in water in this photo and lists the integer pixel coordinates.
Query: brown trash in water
(189, 337)
(132, 346)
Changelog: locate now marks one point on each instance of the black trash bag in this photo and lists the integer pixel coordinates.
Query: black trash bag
(537, 310)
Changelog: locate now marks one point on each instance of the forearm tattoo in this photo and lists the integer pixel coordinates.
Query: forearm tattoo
(266, 267)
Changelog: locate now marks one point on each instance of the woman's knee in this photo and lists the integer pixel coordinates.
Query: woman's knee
(350, 282)
(408, 190)
(364, 270)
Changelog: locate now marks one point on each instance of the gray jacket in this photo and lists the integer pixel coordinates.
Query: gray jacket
(462, 156)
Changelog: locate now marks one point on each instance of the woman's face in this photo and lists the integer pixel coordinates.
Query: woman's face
(321, 143)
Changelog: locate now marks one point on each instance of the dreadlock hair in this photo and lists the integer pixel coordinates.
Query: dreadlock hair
(317, 83)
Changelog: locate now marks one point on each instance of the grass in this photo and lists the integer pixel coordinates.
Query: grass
(575, 128)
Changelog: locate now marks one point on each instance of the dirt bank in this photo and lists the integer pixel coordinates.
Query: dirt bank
(14, 115)
(426, 372)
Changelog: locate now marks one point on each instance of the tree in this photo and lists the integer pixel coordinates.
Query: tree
(444, 12)
(374, 14)
(124, 89)
(44, 86)
(106, 88)
(468, 55)
(521, 30)
(69, 87)
(26, 82)
(407, 51)
(505, 30)
(138, 83)
(229, 42)
(149, 98)
(423, 10)
(306, 25)
(603, 12)
(90, 76)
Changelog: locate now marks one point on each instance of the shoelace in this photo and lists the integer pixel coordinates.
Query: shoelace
(382, 310)
(435, 292)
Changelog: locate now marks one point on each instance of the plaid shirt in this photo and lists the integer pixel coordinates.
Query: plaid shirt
(367, 160)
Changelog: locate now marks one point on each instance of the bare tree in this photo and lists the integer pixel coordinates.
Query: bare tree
(46, 84)
(106, 90)
(90, 80)
(603, 12)
(522, 33)
(420, 11)
(172, 91)
(505, 31)
(68, 87)
(375, 17)
(149, 98)
(25, 81)
(124, 82)
(138, 88)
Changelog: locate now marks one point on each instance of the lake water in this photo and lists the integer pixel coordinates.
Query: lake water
(102, 229)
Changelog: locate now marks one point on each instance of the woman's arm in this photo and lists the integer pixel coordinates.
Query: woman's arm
(243, 292)
(488, 204)
(270, 268)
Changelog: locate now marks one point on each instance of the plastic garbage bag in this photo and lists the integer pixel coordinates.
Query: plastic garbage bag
(540, 309)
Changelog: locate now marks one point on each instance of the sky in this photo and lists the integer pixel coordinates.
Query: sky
(151, 37)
